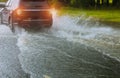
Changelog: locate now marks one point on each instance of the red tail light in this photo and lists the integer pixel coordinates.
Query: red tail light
(53, 11)
(19, 11)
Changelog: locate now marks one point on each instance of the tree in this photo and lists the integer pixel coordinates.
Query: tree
(91, 3)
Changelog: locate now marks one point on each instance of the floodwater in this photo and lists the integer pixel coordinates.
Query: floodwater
(72, 48)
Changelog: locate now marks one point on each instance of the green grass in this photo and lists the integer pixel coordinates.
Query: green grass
(3, 0)
(101, 15)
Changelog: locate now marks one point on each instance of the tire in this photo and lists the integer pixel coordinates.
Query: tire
(11, 25)
(1, 19)
(50, 24)
(16, 29)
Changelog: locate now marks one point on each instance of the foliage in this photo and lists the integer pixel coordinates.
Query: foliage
(3, 0)
(91, 3)
(85, 3)
(106, 15)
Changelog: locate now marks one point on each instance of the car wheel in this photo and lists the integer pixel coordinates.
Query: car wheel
(11, 25)
(50, 24)
(16, 29)
(1, 19)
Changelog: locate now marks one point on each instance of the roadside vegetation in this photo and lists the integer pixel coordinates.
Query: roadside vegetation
(105, 11)
(108, 15)
(3, 0)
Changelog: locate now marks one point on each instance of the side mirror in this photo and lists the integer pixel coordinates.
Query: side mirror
(2, 4)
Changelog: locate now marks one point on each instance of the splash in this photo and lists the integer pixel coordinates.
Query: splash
(71, 38)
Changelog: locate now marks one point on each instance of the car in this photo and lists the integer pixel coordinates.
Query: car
(26, 14)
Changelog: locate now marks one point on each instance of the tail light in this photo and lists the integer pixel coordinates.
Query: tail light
(53, 11)
(18, 12)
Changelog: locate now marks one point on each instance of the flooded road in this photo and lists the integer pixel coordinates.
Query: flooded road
(10, 66)
(72, 48)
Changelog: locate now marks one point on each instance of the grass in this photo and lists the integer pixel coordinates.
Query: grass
(106, 16)
(3, 0)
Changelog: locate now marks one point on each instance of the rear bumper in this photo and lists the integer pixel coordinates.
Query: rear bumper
(33, 22)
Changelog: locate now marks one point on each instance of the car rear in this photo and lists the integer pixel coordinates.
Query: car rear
(33, 12)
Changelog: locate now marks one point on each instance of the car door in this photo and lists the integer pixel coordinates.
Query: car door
(6, 12)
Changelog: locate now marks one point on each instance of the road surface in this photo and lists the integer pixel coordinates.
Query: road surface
(72, 48)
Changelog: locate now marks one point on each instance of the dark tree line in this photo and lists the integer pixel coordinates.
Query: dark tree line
(91, 3)
(85, 3)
